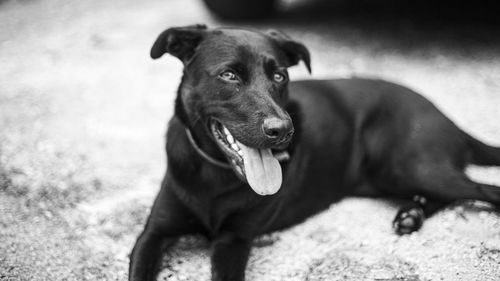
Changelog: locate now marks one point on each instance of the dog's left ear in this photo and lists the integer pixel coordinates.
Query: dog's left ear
(294, 50)
(180, 42)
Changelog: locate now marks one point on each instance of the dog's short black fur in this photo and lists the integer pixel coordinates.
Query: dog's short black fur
(350, 137)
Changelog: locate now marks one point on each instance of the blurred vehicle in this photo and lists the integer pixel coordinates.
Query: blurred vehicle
(242, 9)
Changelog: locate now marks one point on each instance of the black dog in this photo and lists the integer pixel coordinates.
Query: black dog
(230, 143)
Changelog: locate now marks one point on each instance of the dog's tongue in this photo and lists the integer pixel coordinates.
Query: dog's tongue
(263, 171)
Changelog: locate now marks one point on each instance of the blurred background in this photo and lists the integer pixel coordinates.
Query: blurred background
(83, 112)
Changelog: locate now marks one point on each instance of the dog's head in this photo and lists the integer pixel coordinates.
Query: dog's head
(235, 84)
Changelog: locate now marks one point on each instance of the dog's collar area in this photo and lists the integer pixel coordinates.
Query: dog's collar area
(204, 155)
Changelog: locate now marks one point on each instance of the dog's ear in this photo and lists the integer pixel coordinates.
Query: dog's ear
(294, 50)
(180, 42)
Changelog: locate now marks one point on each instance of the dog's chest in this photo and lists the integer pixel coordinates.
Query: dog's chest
(218, 213)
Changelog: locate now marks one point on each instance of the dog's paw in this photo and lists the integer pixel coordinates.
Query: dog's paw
(408, 220)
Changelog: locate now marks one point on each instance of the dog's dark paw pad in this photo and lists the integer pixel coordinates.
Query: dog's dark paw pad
(408, 220)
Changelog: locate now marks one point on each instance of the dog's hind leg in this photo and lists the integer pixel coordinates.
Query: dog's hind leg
(411, 216)
(437, 186)
(446, 183)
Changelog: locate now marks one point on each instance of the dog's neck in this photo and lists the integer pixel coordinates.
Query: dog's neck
(198, 136)
(205, 155)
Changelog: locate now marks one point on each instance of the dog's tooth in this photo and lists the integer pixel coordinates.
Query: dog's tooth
(235, 147)
(240, 152)
(226, 131)
(230, 139)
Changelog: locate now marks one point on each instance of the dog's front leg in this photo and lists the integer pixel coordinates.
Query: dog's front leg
(229, 257)
(145, 259)
(168, 220)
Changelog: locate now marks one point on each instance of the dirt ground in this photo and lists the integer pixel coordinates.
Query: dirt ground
(83, 112)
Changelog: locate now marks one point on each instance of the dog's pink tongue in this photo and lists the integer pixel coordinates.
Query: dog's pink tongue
(263, 171)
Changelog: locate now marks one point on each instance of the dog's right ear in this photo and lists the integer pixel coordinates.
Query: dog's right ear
(180, 42)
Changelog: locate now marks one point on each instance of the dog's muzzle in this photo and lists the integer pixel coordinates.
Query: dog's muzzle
(259, 167)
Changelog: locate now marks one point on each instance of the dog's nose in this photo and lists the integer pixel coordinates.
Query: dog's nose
(276, 129)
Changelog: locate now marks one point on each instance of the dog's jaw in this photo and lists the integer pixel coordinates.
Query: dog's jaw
(229, 146)
(257, 166)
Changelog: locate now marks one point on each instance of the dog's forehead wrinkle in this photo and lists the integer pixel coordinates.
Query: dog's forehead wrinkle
(247, 50)
(218, 59)
(254, 42)
(217, 45)
(245, 36)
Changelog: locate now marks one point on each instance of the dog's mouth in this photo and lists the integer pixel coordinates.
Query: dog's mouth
(259, 167)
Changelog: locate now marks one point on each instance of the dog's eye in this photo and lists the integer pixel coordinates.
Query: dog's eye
(228, 76)
(278, 77)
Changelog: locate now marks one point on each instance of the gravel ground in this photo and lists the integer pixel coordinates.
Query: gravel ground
(83, 112)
